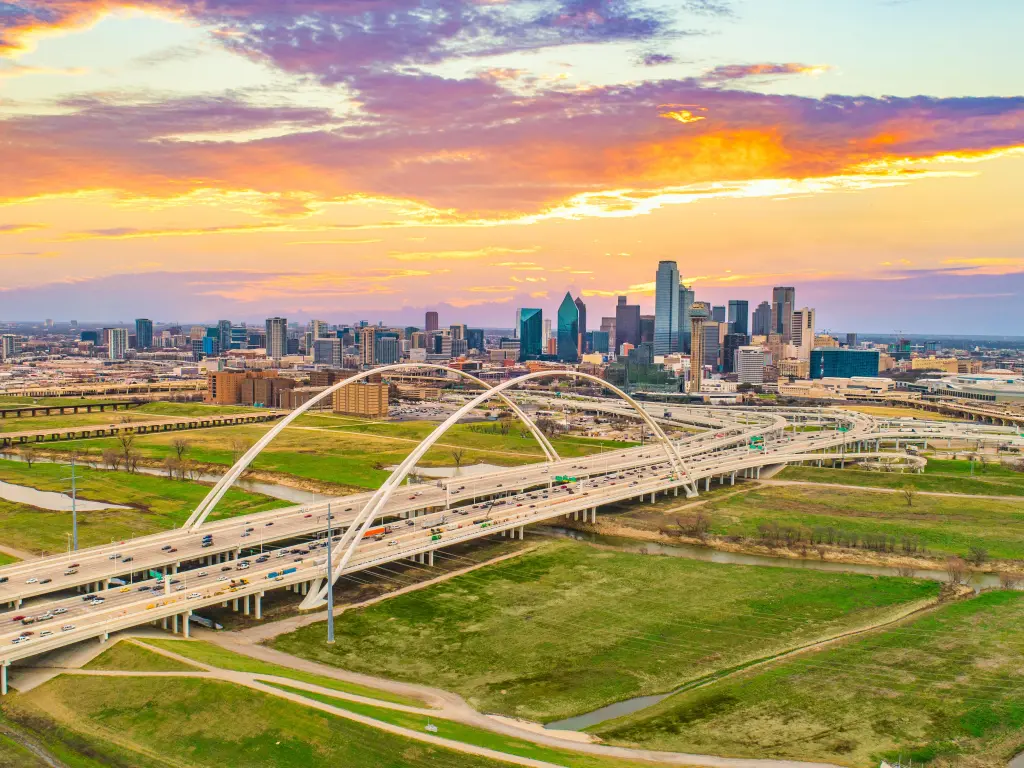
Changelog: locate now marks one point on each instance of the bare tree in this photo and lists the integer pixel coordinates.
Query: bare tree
(458, 454)
(181, 446)
(1010, 580)
(909, 492)
(956, 570)
(239, 447)
(906, 571)
(977, 555)
(29, 455)
(126, 441)
(111, 458)
(172, 465)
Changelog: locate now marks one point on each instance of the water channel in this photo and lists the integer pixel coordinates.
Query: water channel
(692, 552)
(51, 500)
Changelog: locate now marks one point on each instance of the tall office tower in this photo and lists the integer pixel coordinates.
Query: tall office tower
(627, 324)
(367, 346)
(718, 314)
(418, 340)
(277, 337)
(143, 333)
(700, 312)
(762, 325)
(733, 341)
(515, 328)
(647, 330)
(713, 345)
(118, 343)
(582, 345)
(739, 316)
(686, 297)
(666, 308)
(851, 339)
(749, 365)
(9, 346)
(195, 333)
(319, 329)
(783, 304)
(531, 334)
(803, 332)
(239, 337)
(568, 345)
(608, 326)
(386, 350)
(224, 334)
(458, 330)
(475, 339)
(327, 352)
(547, 333)
(431, 322)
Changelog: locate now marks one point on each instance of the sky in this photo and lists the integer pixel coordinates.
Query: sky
(371, 159)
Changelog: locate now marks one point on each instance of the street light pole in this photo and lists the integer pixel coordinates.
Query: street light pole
(330, 586)
(74, 509)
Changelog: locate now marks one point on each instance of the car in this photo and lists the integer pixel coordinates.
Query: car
(203, 573)
(45, 581)
(70, 571)
(33, 580)
(226, 568)
(67, 627)
(223, 578)
(45, 617)
(308, 516)
(75, 565)
(194, 595)
(114, 557)
(269, 524)
(45, 633)
(97, 601)
(250, 529)
(17, 640)
(179, 588)
(166, 548)
(125, 589)
(127, 559)
(144, 588)
(59, 611)
(18, 618)
(172, 549)
(241, 566)
(4, 579)
(245, 534)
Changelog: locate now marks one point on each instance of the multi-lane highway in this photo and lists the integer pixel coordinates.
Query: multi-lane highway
(239, 559)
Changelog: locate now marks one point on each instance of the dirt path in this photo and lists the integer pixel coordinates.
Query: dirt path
(946, 494)
(21, 554)
(27, 742)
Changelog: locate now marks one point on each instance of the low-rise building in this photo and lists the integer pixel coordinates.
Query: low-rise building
(362, 399)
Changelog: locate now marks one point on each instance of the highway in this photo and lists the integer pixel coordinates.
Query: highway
(420, 518)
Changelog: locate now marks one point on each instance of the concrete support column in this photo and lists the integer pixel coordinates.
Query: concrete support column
(3, 678)
(593, 513)
(245, 605)
(224, 604)
(707, 483)
(185, 629)
(522, 532)
(174, 624)
(104, 637)
(430, 562)
(732, 479)
(234, 605)
(259, 605)
(305, 587)
(653, 495)
(758, 473)
(163, 623)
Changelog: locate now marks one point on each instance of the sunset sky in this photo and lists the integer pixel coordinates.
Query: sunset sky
(369, 159)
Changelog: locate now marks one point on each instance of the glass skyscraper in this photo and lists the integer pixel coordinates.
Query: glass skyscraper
(739, 315)
(531, 334)
(666, 309)
(143, 333)
(763, 319)
(568, 349)
(685, 306)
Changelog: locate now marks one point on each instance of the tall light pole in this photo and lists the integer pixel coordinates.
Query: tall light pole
(330, 586)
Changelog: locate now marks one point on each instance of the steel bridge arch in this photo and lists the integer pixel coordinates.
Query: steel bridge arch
(353, 536)
(201, 512)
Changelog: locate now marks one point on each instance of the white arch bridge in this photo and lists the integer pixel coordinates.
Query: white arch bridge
(398, 521)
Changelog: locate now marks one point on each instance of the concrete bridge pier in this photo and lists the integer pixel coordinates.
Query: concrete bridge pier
(430, 560)
(245, 605)
(186, 630)
(707, 483)
(259, 604)
(3, 678)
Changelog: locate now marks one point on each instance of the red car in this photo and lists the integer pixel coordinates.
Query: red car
(17, 618)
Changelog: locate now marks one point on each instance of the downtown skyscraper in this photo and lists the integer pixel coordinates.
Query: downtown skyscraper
(667, 322)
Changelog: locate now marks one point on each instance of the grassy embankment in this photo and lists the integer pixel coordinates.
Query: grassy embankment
(157, 504)
(947, 687)
(352, 454)
(149, 412)
(125, 656)
(144, 722)
(569, 627)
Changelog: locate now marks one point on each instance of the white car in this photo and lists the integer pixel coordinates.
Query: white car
(45, 633)
(203, 573)
(223, 578)
(194, 595)
(59, 611)
(33, 580)
(67, 627)
(179, 588)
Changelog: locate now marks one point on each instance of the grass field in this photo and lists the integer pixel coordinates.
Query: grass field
(157, 503)
(570, 627)
(140, 722)
(940, 476)
(126, 656)
(468, 734)
(894, 412)
(215, 656)
(351, 454)
(944, 525)
(947, 687)
(7, 559)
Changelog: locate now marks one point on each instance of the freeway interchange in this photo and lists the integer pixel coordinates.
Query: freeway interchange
(237, 560)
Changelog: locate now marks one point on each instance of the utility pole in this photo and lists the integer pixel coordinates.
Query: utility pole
(330, 586)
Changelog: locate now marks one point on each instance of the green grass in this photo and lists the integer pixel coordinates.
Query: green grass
(7, 559)
(126, 656)
(944, 525)
(940, 476)
(158, 504)
(209, 724)
(947, 688)
(469, 734)
(215, 656)
(13, 754)
(354, 455)
(569, 628)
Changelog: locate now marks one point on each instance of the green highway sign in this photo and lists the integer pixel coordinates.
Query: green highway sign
(155, 575)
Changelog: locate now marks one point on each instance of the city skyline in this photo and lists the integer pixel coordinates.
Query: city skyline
(233, 164)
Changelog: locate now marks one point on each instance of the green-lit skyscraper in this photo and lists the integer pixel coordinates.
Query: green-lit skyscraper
(568, 350)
